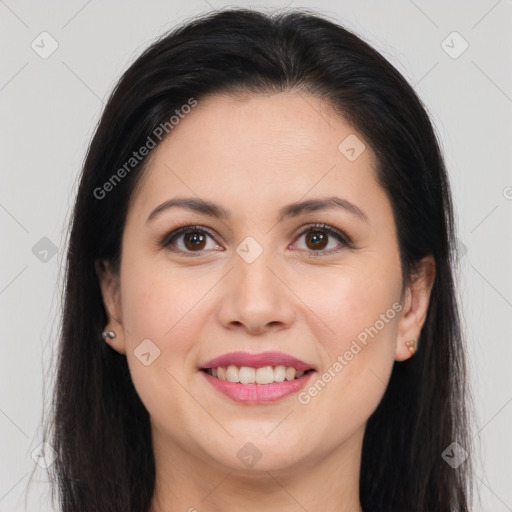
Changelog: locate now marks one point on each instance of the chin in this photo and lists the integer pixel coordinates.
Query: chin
(253, 455)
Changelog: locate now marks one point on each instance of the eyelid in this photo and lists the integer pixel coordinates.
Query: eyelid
(325, 227)
(165, 241)
(345, 240)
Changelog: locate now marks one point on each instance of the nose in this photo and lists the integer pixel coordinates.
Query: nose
(255, 298)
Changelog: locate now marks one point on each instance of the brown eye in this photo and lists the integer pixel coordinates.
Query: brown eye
(188, 240)
(194, 240)
(319, 236)
(316, 240)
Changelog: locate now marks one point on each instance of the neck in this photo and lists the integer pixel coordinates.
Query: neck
(186, 482)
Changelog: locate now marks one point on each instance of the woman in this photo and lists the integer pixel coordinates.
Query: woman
(260, 310)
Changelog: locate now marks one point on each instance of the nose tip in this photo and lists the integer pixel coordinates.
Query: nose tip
(255, 299)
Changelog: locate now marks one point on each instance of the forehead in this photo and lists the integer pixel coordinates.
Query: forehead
(285, 124)
(256, 150)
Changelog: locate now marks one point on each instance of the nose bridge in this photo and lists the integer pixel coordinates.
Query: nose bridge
(255, 296)
(253, 261)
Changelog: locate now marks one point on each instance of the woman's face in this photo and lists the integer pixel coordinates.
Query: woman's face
(261, 279)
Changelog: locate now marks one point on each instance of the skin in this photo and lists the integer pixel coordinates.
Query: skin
(253, 155)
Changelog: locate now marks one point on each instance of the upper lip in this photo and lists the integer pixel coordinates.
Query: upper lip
(257, 360)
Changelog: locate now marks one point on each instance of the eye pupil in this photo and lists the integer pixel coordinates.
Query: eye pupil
(194, 240)
(318, 239)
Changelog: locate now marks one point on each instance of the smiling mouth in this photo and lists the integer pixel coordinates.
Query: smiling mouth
(262, 375)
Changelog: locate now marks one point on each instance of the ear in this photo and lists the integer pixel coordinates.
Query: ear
(415, 307)
(110, 290)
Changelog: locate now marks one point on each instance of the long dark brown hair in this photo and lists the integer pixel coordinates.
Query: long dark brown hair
(96, 422)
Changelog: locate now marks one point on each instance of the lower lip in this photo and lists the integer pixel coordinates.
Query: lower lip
(257, 393)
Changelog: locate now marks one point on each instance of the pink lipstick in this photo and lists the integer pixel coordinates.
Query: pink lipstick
(257, 378)
(257, 360)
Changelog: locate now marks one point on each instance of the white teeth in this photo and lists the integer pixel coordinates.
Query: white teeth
(233, 374)
(279, 373)
(265, 375)
(248, 375)
(290, 373)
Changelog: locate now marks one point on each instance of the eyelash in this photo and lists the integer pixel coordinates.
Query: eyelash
(166, 240)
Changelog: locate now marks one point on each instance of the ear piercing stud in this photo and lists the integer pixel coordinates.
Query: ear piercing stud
(108, 334)
(412, 346)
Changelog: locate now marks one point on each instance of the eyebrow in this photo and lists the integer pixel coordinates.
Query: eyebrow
(291, 210)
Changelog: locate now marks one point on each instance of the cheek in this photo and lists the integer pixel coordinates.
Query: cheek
(166, 306)
(359, 310)
(163, 307)
(362, 308)
(353, 303)
(157, 301)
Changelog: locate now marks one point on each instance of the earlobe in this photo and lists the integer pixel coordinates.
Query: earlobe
(415, 309)
(412, 346)
(113, 334)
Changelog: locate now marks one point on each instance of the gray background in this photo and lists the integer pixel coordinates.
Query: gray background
(49, 108)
